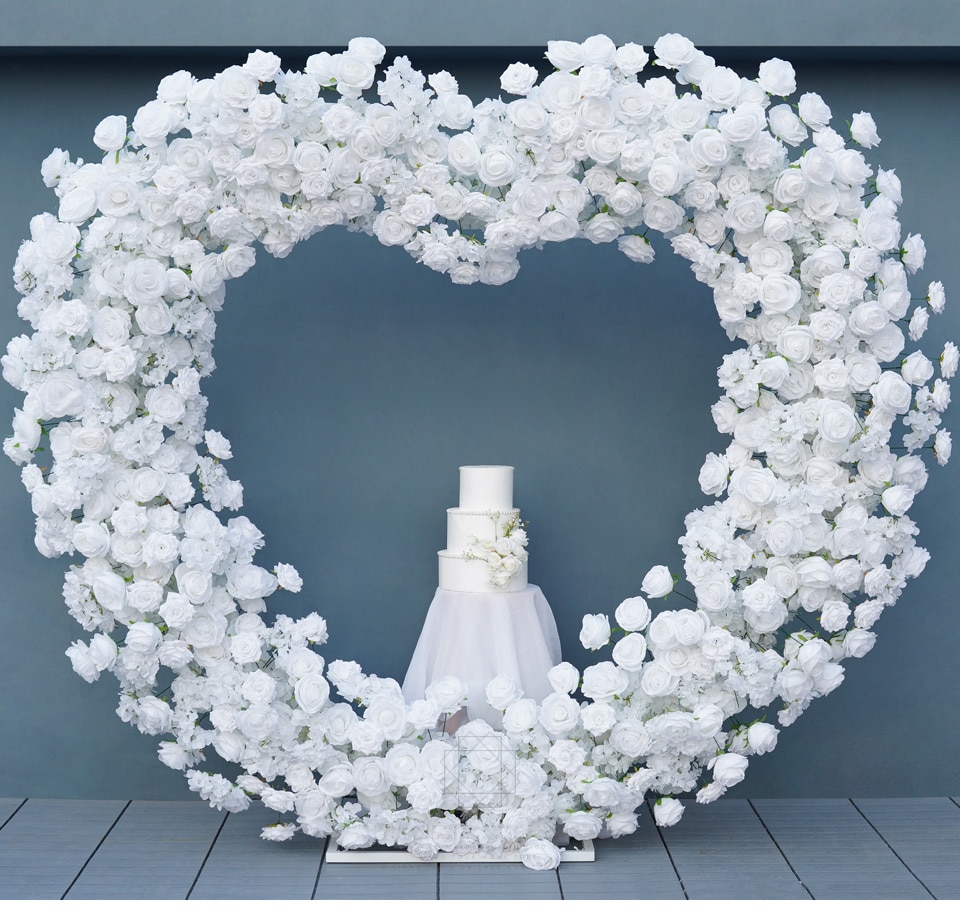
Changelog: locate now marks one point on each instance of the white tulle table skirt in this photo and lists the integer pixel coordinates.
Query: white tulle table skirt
(476, 637)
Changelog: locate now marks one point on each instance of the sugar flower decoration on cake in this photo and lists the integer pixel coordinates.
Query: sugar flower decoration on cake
(505, 552)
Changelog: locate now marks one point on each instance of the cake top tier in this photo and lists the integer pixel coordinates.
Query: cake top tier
(486, 487)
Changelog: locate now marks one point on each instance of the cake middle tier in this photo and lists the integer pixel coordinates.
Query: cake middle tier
(464, 524)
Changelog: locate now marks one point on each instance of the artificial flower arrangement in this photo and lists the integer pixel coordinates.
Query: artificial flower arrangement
(504, 553)
(806, 543)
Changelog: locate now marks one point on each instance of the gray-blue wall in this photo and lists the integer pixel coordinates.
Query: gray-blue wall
(352, 384)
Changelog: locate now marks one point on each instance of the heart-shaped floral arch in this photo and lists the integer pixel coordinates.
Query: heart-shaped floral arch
(808, 539)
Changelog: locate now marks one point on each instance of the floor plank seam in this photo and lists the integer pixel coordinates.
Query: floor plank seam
(100, 843)
(663, 841)
(206, 856)
(556, 872)
(780, 849)
(894, 852)
(323, 858)
(954, 801)
(438, 881)
(12, 814)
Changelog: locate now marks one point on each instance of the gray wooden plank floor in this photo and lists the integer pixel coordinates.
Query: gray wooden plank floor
(734, 849)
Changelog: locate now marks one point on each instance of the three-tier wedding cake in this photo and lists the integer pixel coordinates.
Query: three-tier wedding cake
(485, 540)
(485, 620)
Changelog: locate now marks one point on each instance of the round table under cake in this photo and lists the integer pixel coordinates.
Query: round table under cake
(478, 636)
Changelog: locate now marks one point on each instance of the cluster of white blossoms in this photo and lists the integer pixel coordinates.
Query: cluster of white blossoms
(808, 539)
(505, 553)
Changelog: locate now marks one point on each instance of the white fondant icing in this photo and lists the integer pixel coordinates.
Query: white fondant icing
(486, 487)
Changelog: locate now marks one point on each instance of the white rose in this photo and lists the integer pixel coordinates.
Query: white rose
(891, 393)
(603, 681)
(897, 499)
(177, 611)
(402, 764)
(594, 631)
(564, 677)
(540, 855)
(729, 769)
(631, 738)
(565, 55)
(582, 826)
(667, 811)
(714, 474)
(392, 230)
(658, 582)
(559, 713)
(249, 582)
(630, 58)
(837, 422)
(630, 651)
(520, 716)
(501, 691)
(111, 133)
(463, 153)
(143, 637)
(497, 166)
(633, 614)
(370, 776)
(863, 130)
(786, 125)
(779, 293)
(60, 394)
(153, 715)
(916, 369)
(598, 717)
(153, 121)
(448, 692)
(673, 50)
(657, 680)
(354, 73)
(518, 78)
(777, 77)
(636, 248)
(165, 405)
(762, 737)
(567, 756)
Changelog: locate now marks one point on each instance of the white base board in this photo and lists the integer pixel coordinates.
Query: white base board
(576, 852)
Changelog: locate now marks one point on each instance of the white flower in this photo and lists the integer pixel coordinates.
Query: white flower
(263, 64)
(936, 297)
(564, 677)
(942, 446)
(288, 577)
(658, 582)
(630, 651)
(667, 811)
(594, 631)
(603, 681)
(777, 77)
(630, 58)
(673, 50)
(559, 713)
(633, 614)
(728, 769)
(565, 55)
(280, 831)
(518, 78)
(636, 248)
(863, 130)
(111, 133)
(448, 692)
(540, 855)
(501, 691)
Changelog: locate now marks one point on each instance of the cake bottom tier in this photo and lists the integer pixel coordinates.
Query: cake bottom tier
(473, 575)
(476, 637)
